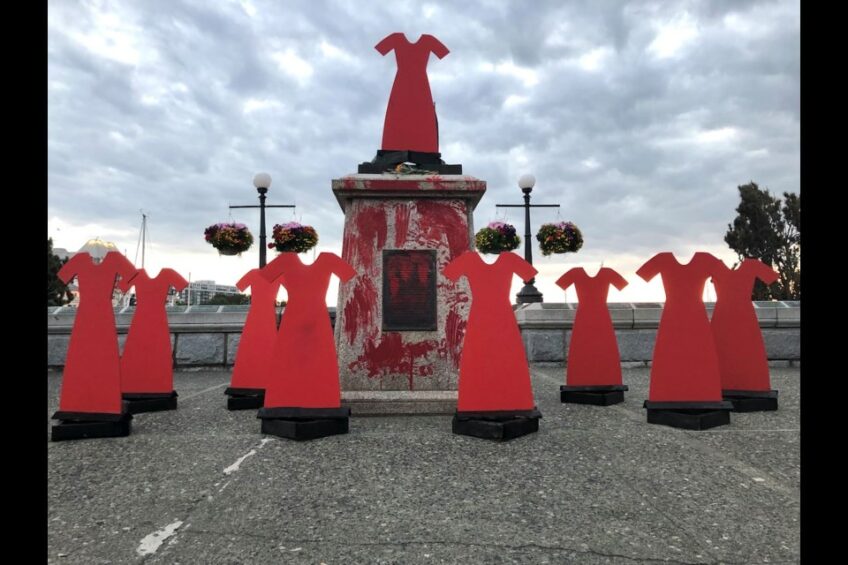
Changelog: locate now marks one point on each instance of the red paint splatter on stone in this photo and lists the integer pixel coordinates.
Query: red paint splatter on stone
(438, 218)
(454, 335)
(361, 308)
(368, 235)
(391, 355)
(401, 224)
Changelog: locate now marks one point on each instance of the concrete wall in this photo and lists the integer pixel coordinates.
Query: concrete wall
(207, 336)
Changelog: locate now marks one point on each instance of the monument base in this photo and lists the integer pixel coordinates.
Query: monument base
(599, 395)
(304, 423)
(245, 398)
(751, 400)
(87, 425)
(137, 402)
(689, 415)
(391, 402)
(498, 426)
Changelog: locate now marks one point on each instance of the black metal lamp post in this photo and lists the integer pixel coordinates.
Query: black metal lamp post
(262, 182)
(529, 293)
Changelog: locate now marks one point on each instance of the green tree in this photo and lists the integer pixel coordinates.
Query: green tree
(229, 299)
(769, 229)
(57, 291)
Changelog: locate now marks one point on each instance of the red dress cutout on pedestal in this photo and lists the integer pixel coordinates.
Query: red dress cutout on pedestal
(304, 370)
(91, 380)
(147, 364)
(411, 117)
(685, 363)
(739, 341)
(493, 370)
(593, 358)
(253, 358)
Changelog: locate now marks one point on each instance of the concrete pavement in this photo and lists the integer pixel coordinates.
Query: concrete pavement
(595, 485)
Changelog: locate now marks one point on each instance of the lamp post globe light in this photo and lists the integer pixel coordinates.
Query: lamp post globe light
(529, 293)
(262, 182)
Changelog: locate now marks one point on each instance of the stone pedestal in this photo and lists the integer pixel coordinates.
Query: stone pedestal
(399, 334)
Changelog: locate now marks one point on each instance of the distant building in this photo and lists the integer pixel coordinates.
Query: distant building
(199, 292)
(98, 248)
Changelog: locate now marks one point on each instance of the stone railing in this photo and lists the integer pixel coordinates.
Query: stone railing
(207, 336)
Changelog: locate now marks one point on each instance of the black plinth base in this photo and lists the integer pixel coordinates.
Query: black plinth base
(689, 415)
(601, 395)
(137, 402)
(751, 400)
(84, 425)
(304, 423)
(498, 426)
(387, 160)
(245, 398)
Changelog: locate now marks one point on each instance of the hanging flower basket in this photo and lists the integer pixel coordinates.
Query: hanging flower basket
(293, 238)
(561, 237)
(229, 238)
(496, 238)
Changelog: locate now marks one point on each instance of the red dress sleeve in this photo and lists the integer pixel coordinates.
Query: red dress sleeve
(612, 277)
(653, 266)
(174, 279)
(387, 43)
(338, 266)
(124, 285)
(436, 46)
(457, 267)
(75, 264)
(762, 271)
(569, 278)
(247, 279)
(521, 267)
(273, 270)
(121, 265)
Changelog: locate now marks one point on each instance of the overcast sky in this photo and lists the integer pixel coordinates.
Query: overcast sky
(639, 118)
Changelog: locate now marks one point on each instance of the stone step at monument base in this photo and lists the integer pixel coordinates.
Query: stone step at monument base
(392, 402)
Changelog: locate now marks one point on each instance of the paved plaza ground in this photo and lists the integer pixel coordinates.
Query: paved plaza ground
(595, 485)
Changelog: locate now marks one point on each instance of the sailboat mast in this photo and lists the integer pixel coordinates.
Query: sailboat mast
(143, 236)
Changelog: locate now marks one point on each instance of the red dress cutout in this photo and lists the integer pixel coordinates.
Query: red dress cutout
(411, 117)
(253, 358)
(593, 358)
(304, 370)
(147, 363)
(685, 363)
(739, 341)
(493, 370)
(91, 381)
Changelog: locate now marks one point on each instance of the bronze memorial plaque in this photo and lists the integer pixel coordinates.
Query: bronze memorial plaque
(409, 290)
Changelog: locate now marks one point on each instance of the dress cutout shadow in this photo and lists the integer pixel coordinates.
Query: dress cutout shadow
(685, 364)
(742, 358)
(593, 357)
(493, 370)
(411, 116)
(304, 370)
(91, 379)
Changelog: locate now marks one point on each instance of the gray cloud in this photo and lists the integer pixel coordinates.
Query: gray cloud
(639, 118)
